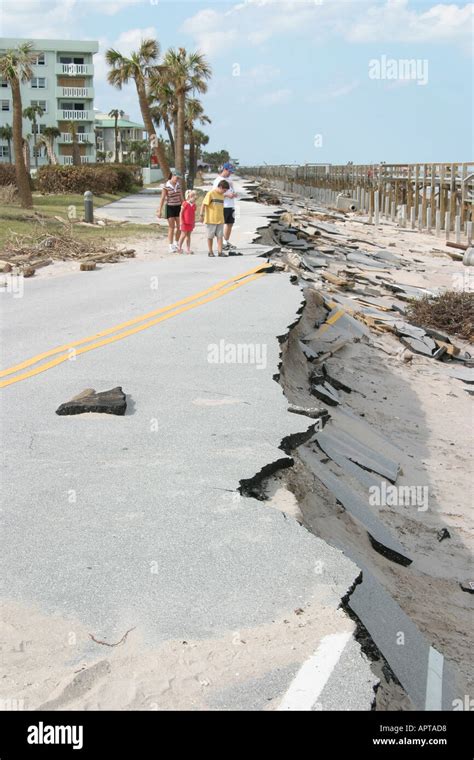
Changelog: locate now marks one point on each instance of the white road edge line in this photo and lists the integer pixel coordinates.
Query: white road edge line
(314, 674)
(434, 681)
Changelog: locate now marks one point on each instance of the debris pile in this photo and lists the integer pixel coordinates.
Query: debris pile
(23, 253)
(369, 282)
(451, 311)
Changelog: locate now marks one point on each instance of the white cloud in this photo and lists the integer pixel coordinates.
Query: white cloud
(210, 31)
(132, 38)
(332, 93)
(48, 19)
(277, 97)
(51, 19)
(262, 74)
(396, 22)
(357, 21)
(108, 97)
(111, 7)
(346, 89)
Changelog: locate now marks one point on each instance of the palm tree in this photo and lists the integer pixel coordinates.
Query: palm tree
(164, 107)
(6, 133)
(16, 67)
(200, 140)
(25, 149)
(31, 112)
(76, 153)
(188, 73)
(116, 114)
(138, 67)
(160, 116)
(47, 139)
(194, 112)
(139, 152)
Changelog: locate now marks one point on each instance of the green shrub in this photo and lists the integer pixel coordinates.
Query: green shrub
(130, 176)
(98, 178)
(74, 179)
(7, 174)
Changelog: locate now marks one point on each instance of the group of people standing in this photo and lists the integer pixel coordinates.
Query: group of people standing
(217, 212)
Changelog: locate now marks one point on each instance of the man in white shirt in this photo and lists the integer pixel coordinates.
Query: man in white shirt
(229, 203)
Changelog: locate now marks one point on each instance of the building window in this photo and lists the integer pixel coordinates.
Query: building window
(70, 59)
(4, 151)
(72, 106)
(41, 103)
(39, 60)
(4, 83)
(38, 83)
(38, 129)
(5, 105)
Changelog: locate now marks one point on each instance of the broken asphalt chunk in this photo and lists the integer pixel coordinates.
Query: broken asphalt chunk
(442, 534)
(105, 402)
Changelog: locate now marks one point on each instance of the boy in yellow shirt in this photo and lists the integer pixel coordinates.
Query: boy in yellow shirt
(212, 213)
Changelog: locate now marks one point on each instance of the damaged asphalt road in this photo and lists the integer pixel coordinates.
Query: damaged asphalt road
(136, 523)
(347, 346)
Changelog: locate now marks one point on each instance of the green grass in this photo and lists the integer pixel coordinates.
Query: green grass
(14, 219)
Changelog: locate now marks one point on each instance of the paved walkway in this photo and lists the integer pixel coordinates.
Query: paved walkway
(141, 209)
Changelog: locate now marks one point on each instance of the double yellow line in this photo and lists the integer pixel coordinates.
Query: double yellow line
(69, 351)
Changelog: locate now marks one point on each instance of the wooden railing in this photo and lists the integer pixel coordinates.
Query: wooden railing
(424, 196)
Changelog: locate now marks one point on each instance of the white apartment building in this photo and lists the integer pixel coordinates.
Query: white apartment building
(63, 85)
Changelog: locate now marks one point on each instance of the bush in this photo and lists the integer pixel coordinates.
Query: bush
(8, 194)
(74, 179)
(98, 178)
(7, 174)
(130, 175)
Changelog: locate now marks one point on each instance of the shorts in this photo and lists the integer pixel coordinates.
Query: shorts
(172, 211)
(215, 230)
(229, 217)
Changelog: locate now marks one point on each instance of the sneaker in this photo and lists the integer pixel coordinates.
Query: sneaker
(172, 248)
(228, 246)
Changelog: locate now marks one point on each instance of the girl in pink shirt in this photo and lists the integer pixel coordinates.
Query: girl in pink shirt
(187, 221)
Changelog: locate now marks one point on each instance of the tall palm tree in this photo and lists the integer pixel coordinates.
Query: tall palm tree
(15, 68)
(161, 116)
(25, 149)
(138, 67)
(47, 139)
(164, 107)
(194, 113)
(6, 133)
(200, 140)
(31, 112)
(76, 153)
(116, 114)
(187, 72)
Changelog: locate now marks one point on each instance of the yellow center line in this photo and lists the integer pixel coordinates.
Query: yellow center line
(136, 320)
(332, 320)
(68, 357)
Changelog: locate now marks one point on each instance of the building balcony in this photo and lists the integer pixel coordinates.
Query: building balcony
(82, 137)
(67, 160)
(75, 116)
(73, 69)
(74, 92)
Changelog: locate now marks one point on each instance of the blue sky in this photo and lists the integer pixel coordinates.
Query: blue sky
(292, 80)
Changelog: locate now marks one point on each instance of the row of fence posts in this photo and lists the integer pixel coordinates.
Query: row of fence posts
(433, 198)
